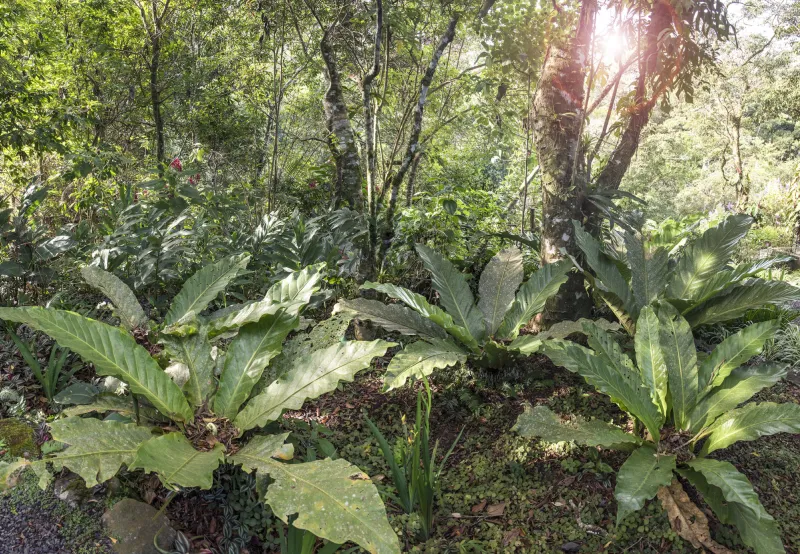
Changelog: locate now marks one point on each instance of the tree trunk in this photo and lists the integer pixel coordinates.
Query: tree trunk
(413, 139)
(155, 101)
(557, 123)
(341, 138)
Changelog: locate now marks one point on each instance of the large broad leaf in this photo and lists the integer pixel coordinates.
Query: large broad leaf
(543, 423)
(752, 294)
(332, 498)
(127, 307)
(53, 247)
(226, 320)
(639, 479)
(298, 286)
(202, 287)
(531, 297)
(734, 351)
(112, 351)
(707, 256)
(195, 352)
(622, 385)
(394, 317)
(677, 345)
(727, 278)
(123, 405)
(455, 294)
(418, 303)
(97, 448)
(650, 358)
(609, 275)
(248, 355)
(311, 376)
(735, 486)
(177, 463)
(648, 273)
(499, 281)
(760, 533)
(739, 387)
(750, 422)
(420, 359)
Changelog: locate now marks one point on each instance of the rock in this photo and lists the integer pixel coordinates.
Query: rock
(794, 377)
(18, 438)
(570, 547)
(72, 490)
(134, 525)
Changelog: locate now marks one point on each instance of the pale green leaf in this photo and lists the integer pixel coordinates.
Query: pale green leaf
(750, 295)
(394, 317)
(622, 385)
(127, 307)
(248, 355)
(648, 273)
(543, 423)
(727, 278)
(332, 498)
(639, 479)
(97, 449)
(739, 387)
(706, 256)
(734, 351)
(677, 346)
(420, 359)
(454, 292)
(526, 344)
(310, 377)
(202, 287)
(110, 402)
(735, 487)
(650, 358)
(112, 351)
(177, 463)
(532, 295)
(195, 352)
(751, 422)
(499, 281)
(297, 286)
(563, 329)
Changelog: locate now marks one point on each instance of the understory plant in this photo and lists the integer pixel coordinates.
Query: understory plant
(684, 408)
(52, 378)
(699, 279)
(412, 462)
(188, 421)
(487, 332)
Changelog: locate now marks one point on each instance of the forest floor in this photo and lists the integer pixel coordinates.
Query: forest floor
(500, 492)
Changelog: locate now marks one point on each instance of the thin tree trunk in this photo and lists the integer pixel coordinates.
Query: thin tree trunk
(412, 179)
(369, 135)
(413, 140)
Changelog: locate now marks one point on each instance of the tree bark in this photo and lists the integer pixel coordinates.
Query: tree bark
(341, 138)
(557, 123)
(369, 135)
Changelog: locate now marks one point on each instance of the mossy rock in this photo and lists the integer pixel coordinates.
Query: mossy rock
(18, 438)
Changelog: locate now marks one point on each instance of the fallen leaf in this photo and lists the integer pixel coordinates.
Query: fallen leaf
(496, 510)
(379, 477)
(348, 406)
(455, 515)
(511, 536)
(478, 507)
(686, 519)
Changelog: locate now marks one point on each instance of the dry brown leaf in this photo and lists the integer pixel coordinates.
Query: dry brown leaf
(496, 510)
(479, 507)
(686, 519)
(511, 536)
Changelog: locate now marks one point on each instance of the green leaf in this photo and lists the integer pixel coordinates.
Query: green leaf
(499, 281)
(127, 307)
(727, 278)
(707, 256)
(762, 534)
(96, 448)
(202, 287)
(297, 286)
(110, 402)
(734, 486)
(195, 352)
(455, 294)
(229, 320)
(418, 303)
(332, 498)
(742, 384)
(526, 344)
(112, 351)
(752, 294)
(648, 274)
(622, 385)
(394, 317)
(531, 297)
(310, 377)
(420, 359)
(563, 329)
(177, 463)
(248, 355)
(751, 422)
(77, 393)
(650, 358)
(607, 272)
(543, 423)
(639, 479)
(734, 351)
(677, 345)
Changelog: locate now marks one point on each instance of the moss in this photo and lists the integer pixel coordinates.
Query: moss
(18, 438)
